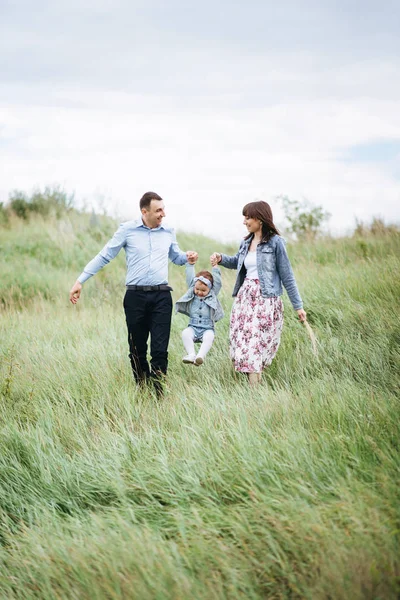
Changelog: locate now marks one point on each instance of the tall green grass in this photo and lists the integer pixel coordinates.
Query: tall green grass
(218, 491)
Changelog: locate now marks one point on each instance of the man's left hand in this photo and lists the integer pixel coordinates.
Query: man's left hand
(191, 256)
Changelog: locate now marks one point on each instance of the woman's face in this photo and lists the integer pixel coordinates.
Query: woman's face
(253, 225)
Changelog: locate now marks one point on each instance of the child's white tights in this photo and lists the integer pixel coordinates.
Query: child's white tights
(188, 337)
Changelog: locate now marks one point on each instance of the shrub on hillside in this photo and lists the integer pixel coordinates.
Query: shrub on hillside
(377, 228)
(19, 204)
(52, 200)
(4, 216)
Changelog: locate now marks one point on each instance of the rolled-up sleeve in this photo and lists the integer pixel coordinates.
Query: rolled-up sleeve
(175, 254)
(230, 262)
(110, 251)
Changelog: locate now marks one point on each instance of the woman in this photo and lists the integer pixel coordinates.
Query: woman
(257, 314)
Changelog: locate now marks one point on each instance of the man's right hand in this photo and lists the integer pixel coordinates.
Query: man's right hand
(75, 292)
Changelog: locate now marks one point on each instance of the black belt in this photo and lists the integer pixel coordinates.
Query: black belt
(150, 288)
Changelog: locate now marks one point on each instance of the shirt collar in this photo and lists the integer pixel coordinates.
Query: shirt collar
(139, 223)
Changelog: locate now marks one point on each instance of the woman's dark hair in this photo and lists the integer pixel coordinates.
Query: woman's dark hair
(261, 210)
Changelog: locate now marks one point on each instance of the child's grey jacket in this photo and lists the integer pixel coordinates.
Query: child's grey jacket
(186, 305)
(273, 266)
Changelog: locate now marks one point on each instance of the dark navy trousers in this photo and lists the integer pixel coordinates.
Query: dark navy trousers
(148, 313)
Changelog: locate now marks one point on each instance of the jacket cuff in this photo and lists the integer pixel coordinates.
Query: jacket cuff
(84, 277)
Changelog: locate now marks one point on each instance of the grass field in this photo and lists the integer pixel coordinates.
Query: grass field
(219, 491)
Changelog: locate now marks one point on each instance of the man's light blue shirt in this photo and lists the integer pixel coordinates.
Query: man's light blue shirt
(147, 252)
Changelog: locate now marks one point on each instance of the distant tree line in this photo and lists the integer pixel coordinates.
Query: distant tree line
(51, 201)
(305, 221)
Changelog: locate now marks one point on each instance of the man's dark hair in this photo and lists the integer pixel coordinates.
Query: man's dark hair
(146, 199)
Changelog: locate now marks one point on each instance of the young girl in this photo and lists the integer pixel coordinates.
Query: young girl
(262, 266)
(201, 304)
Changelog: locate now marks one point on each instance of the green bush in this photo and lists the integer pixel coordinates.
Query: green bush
(4, 215)
(377, 228)
(52, 200)
(19, 204)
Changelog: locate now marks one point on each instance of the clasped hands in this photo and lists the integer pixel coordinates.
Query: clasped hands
(215, 259)
(192, 257)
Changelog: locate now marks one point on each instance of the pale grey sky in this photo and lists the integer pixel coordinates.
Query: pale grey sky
(210, 104)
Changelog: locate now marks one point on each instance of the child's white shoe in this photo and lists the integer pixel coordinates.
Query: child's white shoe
(198, 361)
(189, 359)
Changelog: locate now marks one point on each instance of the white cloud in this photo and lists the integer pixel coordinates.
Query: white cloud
(208, 122)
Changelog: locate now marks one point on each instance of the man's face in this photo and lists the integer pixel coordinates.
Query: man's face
(201, 289)
(154, 214)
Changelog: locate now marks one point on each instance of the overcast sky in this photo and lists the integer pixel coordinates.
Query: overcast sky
(210, 104)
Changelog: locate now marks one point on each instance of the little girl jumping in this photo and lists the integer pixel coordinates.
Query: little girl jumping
(201, 304)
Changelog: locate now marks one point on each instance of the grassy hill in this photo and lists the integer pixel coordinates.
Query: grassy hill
(219, 491)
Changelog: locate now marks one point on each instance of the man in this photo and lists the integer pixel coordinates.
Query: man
(148, 304)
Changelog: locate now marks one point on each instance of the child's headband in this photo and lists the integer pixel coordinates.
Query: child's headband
(203, 280)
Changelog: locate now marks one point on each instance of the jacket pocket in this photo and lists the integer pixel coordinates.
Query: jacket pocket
(241, 257)
(268, 261)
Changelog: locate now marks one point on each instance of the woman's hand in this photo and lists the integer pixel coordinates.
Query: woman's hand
(75, 292)
(215, 259)
(302, 315)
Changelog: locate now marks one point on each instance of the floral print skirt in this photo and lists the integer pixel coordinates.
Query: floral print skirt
(255, 328)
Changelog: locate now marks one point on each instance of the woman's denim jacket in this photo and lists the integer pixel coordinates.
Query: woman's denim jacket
(184, 304)
(273, 266)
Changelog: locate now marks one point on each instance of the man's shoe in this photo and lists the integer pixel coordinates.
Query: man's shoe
(189, 359)
(198, 361)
